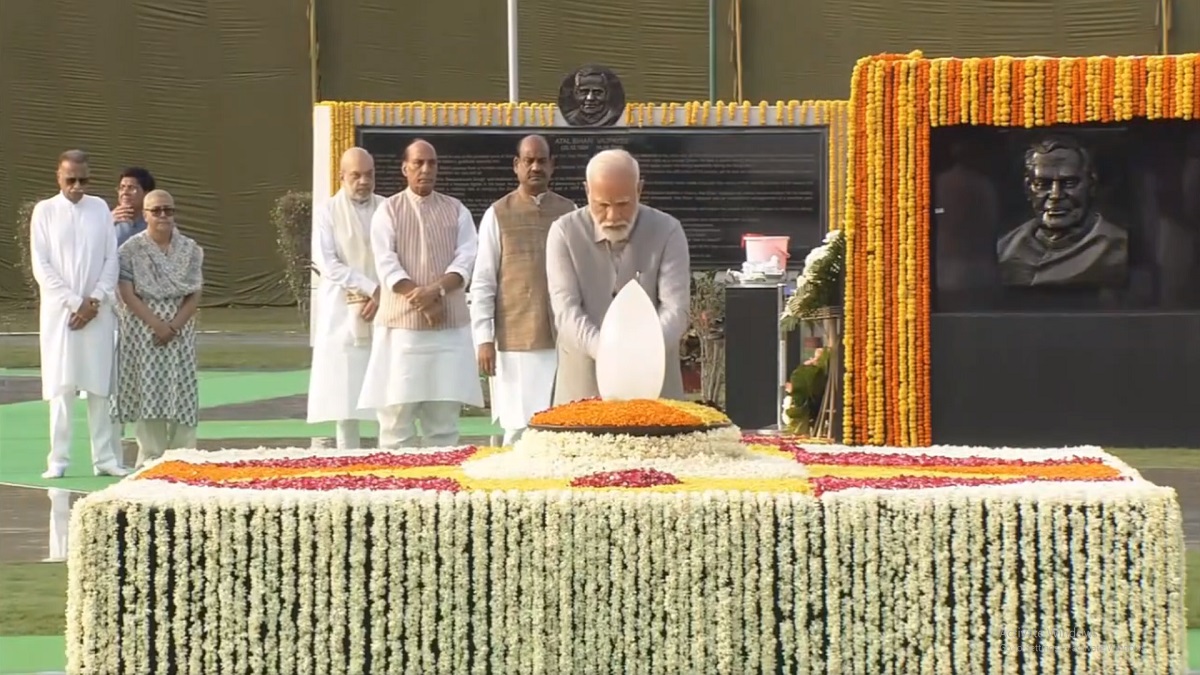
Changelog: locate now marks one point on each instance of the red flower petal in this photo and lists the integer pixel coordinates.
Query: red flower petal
(632, 478)
(324, 483)
(381, 459)
(897, 459)
(824, 484)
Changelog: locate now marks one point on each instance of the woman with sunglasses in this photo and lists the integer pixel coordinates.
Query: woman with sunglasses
(161, 277)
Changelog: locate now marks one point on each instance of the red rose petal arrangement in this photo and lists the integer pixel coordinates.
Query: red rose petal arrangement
(994, 470)
(332, 472)
(897, 471)
(632, 478)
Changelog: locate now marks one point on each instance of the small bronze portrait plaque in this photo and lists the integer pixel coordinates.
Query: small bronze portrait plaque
(1068, 242)
(592, 96)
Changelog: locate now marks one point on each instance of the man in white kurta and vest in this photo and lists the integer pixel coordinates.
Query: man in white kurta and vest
(75, 263)
(510, 302)
(593, 252)
(347, 300)
(422, 368)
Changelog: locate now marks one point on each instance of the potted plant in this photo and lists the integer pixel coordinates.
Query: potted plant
(805, 389)
(703, 348)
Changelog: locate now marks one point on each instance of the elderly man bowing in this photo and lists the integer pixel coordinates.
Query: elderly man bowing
(347, 300)
(593, 252)
(75, 264)
(422, 366)
(510, 302)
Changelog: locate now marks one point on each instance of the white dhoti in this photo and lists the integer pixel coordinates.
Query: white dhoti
(420, 376)
(334, 388)
(522, 387)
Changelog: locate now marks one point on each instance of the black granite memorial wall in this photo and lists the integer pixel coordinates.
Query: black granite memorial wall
(1049, 365)
(720, 183)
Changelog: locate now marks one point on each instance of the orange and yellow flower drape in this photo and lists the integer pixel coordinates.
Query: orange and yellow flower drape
(347, 116)
(895, 101)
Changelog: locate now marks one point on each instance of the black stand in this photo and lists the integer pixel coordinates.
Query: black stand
(758, 358)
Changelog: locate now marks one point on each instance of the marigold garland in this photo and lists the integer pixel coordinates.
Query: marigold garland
(347, 116)
(895, 101)
(635, 413)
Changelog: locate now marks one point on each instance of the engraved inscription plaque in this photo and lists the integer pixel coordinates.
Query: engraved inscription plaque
(720, 183)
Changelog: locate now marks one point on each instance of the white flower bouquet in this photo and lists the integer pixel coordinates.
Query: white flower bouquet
(820, 284)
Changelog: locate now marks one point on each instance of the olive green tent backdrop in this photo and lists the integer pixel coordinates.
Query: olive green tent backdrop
(456, 50)
(211, 95)
(214, 96)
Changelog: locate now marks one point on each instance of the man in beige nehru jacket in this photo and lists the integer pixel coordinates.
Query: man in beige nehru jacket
(347, 300)
(422, 365)
(510, 301)
(593, 252)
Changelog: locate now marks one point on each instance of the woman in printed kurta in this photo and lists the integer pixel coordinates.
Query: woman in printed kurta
(160, 281)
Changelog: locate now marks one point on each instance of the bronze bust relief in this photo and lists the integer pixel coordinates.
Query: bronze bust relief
(592, 96)
(1068, 242)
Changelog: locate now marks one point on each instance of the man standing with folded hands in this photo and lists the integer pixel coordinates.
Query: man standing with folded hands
(347, 300)
(422, 367)
(75, 264)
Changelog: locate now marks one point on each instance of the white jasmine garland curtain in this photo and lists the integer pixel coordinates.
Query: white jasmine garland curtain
(1072, 578)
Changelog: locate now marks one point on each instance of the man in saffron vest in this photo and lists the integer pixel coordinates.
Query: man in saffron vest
(347, 300)
(510, 301)
(421, 366)
(593, 252)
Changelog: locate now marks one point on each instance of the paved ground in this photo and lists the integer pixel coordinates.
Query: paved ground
(19, 389)
(283, 408)
(294, 338)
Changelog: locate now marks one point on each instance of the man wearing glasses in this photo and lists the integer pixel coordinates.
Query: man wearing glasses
(75, 264)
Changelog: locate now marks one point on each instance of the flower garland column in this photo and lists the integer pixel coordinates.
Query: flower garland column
(895, 100)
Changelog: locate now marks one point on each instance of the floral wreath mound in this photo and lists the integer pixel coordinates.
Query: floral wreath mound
(943, 559)
(895, 100)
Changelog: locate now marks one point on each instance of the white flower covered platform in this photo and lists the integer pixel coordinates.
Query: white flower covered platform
(940, 560)
(579, 552)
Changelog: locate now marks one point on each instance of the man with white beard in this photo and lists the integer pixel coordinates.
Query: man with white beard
(591, 253)
(75, 263)
(346, 302)
(510, 303)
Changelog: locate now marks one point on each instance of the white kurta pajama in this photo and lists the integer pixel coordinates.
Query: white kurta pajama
(75, 258)
(341, 337)
(420, 375)
(523, 384)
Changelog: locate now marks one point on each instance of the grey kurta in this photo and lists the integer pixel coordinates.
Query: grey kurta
(585, 272)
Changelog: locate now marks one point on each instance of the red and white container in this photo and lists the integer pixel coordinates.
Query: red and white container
(761, 249)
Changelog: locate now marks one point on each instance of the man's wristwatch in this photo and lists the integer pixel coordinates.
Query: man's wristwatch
(441, 291)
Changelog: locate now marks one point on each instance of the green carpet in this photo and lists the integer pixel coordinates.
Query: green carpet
(25, 427)
(27, 655)
(32, 654)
